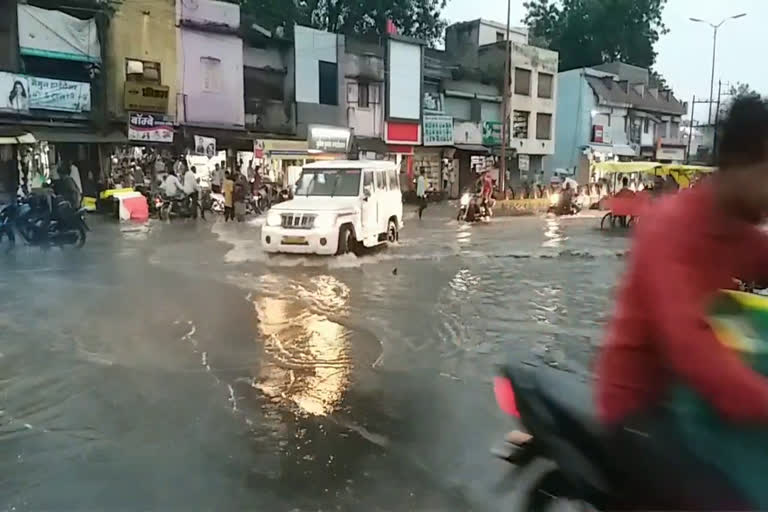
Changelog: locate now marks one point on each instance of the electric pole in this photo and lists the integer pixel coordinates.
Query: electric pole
(505, 105)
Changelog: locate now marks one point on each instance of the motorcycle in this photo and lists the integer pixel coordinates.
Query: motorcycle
(66, 225)
(471, 209)
(555, 408)
(212, 202)
(180, 207)
(559, 207)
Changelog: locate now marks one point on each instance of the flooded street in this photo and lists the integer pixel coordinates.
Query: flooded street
(176, 366)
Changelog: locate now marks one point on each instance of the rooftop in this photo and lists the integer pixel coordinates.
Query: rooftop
(612, 91)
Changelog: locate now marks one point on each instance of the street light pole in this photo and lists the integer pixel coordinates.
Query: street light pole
(712, 76)
(505, 106)
(714, 53)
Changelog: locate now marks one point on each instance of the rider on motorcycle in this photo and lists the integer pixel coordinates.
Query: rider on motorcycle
(687, 248)
(172, 187)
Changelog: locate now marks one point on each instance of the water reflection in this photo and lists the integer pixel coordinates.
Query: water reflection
(553, 233)
(309, 361)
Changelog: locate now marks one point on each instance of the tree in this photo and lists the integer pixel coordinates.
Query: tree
(590, 32)
(414, 18)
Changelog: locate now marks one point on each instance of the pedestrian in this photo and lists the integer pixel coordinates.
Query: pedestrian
(217, 179)
(239, 195)
(421, 192)
(192, 190)
(228, 188)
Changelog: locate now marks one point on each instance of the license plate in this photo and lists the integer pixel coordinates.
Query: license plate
(294, 240)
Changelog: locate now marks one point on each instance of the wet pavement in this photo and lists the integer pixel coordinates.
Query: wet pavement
(177, 367)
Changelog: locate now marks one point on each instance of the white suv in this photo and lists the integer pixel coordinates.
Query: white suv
(338, 206)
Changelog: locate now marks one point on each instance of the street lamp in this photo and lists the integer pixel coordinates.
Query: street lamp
(714, 50)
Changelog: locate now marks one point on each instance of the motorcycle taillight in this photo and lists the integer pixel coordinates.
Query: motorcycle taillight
(505, 396)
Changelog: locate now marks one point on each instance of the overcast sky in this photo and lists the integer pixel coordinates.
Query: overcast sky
(685, 54)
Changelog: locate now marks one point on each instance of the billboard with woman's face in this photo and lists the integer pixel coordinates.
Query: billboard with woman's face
(14, 93)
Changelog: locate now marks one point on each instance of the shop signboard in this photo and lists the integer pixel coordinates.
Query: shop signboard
(258, 149)
(205, 146)
(438, 130)
(19, 93)
(598, 133)
(491, 133)
(328, 139)
(14, 93)
(145, 127)
(61, 95)
(523, 163)
(145, 96)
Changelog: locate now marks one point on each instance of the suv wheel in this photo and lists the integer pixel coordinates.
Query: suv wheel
(392, 234)
(347, 240)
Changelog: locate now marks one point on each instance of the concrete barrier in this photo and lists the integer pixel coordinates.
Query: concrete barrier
(520, 207)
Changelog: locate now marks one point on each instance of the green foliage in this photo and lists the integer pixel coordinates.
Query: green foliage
(741, 90)
(415, 18)
(590, 32)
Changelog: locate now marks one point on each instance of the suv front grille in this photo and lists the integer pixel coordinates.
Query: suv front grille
(297, 221)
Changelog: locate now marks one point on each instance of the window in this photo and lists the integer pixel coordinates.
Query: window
(329, 86)
(363, 99)
(545, 85)
(329, 182)
(520, 124)
(646, 124)
(499, 36)
(381, 180)
(522, 81)
(543, 126)
(674, 130)
(142, 71)
(393, 179)
(263, 84)
(368, 180)
(211, 68)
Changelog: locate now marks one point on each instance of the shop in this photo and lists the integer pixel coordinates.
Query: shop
(435, 157)
(402, 138)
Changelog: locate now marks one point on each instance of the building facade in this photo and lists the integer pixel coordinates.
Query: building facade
(532, 109)
(210, 69)
(52, 93)
(612, 112)
(141, 64)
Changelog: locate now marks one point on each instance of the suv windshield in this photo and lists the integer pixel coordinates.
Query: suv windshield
(329, 182)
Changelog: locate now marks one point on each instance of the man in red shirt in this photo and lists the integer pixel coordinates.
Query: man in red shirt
(687, 248)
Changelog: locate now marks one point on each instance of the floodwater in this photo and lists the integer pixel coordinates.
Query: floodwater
(176, 366)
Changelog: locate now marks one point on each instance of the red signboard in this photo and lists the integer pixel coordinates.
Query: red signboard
(597, 133)
(403, 133)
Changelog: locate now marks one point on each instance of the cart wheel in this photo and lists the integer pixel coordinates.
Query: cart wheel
(607, 216)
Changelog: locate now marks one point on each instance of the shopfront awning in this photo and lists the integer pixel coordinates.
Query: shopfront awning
(57, 35)
(62, 135)
(372, 144)
(615, 149)
(472, 148)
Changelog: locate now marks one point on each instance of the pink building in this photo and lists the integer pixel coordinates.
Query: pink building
(210, 64)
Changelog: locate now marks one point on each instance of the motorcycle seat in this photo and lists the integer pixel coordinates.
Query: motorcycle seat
(570, 398)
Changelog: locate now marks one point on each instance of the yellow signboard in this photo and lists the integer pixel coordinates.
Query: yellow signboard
(146, 97)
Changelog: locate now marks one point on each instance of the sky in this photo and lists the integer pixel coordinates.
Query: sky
(685, 54)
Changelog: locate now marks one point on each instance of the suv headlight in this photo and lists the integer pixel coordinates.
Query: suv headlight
(273, 219)
(325, 221)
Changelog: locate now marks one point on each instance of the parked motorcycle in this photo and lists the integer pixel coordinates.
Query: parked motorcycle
(211, 202)
(27, 217)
